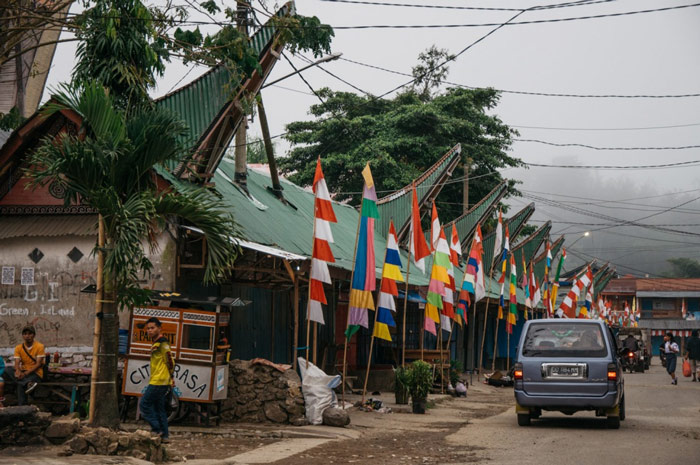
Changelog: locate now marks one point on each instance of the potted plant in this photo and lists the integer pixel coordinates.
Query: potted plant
(402, 378)
(421, 381)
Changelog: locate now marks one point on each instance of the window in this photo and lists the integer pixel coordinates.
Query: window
(564, 340)
(197, 337)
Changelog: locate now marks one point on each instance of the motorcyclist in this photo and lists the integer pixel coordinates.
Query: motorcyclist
(631, 343)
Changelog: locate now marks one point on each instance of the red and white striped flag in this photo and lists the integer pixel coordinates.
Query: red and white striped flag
(321, 253)
(568, 305)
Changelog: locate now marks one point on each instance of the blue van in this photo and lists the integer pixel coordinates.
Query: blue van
(568, 365)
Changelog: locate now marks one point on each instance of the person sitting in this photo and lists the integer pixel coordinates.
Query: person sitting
(29, 364)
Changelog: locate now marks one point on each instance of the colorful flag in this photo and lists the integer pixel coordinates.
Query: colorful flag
(439, 280)
(473, 281)
(455, 252)
(434, 228)
(499, 236)
(546, 284)
(504, 262)
(568, 305)
(417, 245)
(585, 311)
(321, 252)
(513, 313)
(391, 272)
(526, 285)
(555, 285)
(364, 279)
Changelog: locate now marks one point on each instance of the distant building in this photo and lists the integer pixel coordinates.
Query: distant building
(665, 304)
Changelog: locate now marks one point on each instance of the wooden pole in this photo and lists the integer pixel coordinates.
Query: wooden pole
(486, 320)
(405, 306)
(376, 317)
(508, 354)
(495, 343)
(296, 322)
(442, 369)
(99, 296)
(347, 320)
(315, 343)
(449, 352)
(308, 300)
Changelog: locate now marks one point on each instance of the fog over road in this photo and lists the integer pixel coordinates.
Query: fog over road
(662, 427)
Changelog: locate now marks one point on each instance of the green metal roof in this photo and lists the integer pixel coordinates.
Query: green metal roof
(398, 204)
(466, 223)
(528, 248)
(199, 102)
(600, 283)
(541, 261)
(266, 220)
(515, 224)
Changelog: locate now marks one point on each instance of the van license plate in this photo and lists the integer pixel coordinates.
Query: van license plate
(564, 370)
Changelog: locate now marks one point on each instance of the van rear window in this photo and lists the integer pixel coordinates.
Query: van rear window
(564, 340)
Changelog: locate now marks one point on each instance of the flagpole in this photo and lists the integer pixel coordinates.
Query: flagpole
(308, 300)
(405, 305)
(486, 314)
(495, 344)
(449, 352)
(425, 310)
(508, 353)
(347, 320)
(376, 317)
(442, 368)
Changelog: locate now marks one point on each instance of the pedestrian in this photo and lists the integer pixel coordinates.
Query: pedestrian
(29, 364)
(154, 398)
(671, 350)
(2, 382)
(692, 353)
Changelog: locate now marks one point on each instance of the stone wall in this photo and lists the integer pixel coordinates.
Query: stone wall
(260, 392)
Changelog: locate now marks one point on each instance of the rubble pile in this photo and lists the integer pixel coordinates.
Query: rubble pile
(103, 441)
(260, 391)
(22, 426)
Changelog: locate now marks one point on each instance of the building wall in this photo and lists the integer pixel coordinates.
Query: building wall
(47, 293)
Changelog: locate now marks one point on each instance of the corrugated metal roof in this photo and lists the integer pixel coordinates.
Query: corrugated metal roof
(541, 261)
(4, 135)
(621, 286)
(603, 281)
(669, 324)
(515, 223)
(47, 226)
(466, 223)
(199, 102)
(668, 284)
(397, 205)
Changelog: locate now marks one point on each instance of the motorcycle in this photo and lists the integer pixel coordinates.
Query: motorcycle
(631, 361)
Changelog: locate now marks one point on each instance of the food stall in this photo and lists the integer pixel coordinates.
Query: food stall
(199, 341)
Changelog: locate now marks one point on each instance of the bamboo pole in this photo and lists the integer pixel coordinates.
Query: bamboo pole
(376, 317)
(99, 296)
(405, 305)
(347, 319)
(495, 343)
(296, 322)
(442, 369)
(314, 349)
(308, 300)
(486, 319)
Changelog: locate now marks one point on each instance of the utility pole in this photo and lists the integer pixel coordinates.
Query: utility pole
(272, 164)
(241, 148)
(465, 184)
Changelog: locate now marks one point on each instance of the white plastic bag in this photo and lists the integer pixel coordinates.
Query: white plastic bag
(317, 388)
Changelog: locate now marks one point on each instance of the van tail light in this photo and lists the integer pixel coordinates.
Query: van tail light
(631, 355)
(518, 371)
(612, 372)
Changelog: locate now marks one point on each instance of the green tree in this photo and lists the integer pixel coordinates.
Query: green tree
(683, 267)
(400, 138)
(428, 73)
(110, 166)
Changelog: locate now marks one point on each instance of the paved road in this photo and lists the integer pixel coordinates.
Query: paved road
(662, 427)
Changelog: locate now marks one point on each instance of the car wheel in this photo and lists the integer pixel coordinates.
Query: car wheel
(613, 422)
(622, 408)
(523, 419)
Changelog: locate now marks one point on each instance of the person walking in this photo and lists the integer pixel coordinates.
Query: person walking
(692, 353)
(29, 365)
(671, 350)
(153, 401)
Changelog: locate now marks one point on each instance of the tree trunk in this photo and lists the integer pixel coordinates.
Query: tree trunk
(106, 406)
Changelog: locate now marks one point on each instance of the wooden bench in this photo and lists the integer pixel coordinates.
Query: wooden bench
(62, 389)
(439, 361)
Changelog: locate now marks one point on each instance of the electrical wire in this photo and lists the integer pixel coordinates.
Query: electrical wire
(605, 129)
(619, 167)
(592, 147)
(471, 8)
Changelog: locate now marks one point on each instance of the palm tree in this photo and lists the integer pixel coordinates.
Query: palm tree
(110, 165)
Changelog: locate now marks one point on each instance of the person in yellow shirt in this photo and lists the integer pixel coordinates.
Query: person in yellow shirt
(153, 401)
(29, 364)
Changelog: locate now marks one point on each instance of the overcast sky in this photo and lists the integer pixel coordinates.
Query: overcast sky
(655, 53)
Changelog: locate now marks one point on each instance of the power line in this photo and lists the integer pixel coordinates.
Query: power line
(519, 23)
(593, 147)
(472, 8)
(607, 129)
(619, 167)
(540, 94)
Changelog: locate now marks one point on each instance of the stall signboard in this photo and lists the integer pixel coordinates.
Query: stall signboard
(192, 382)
